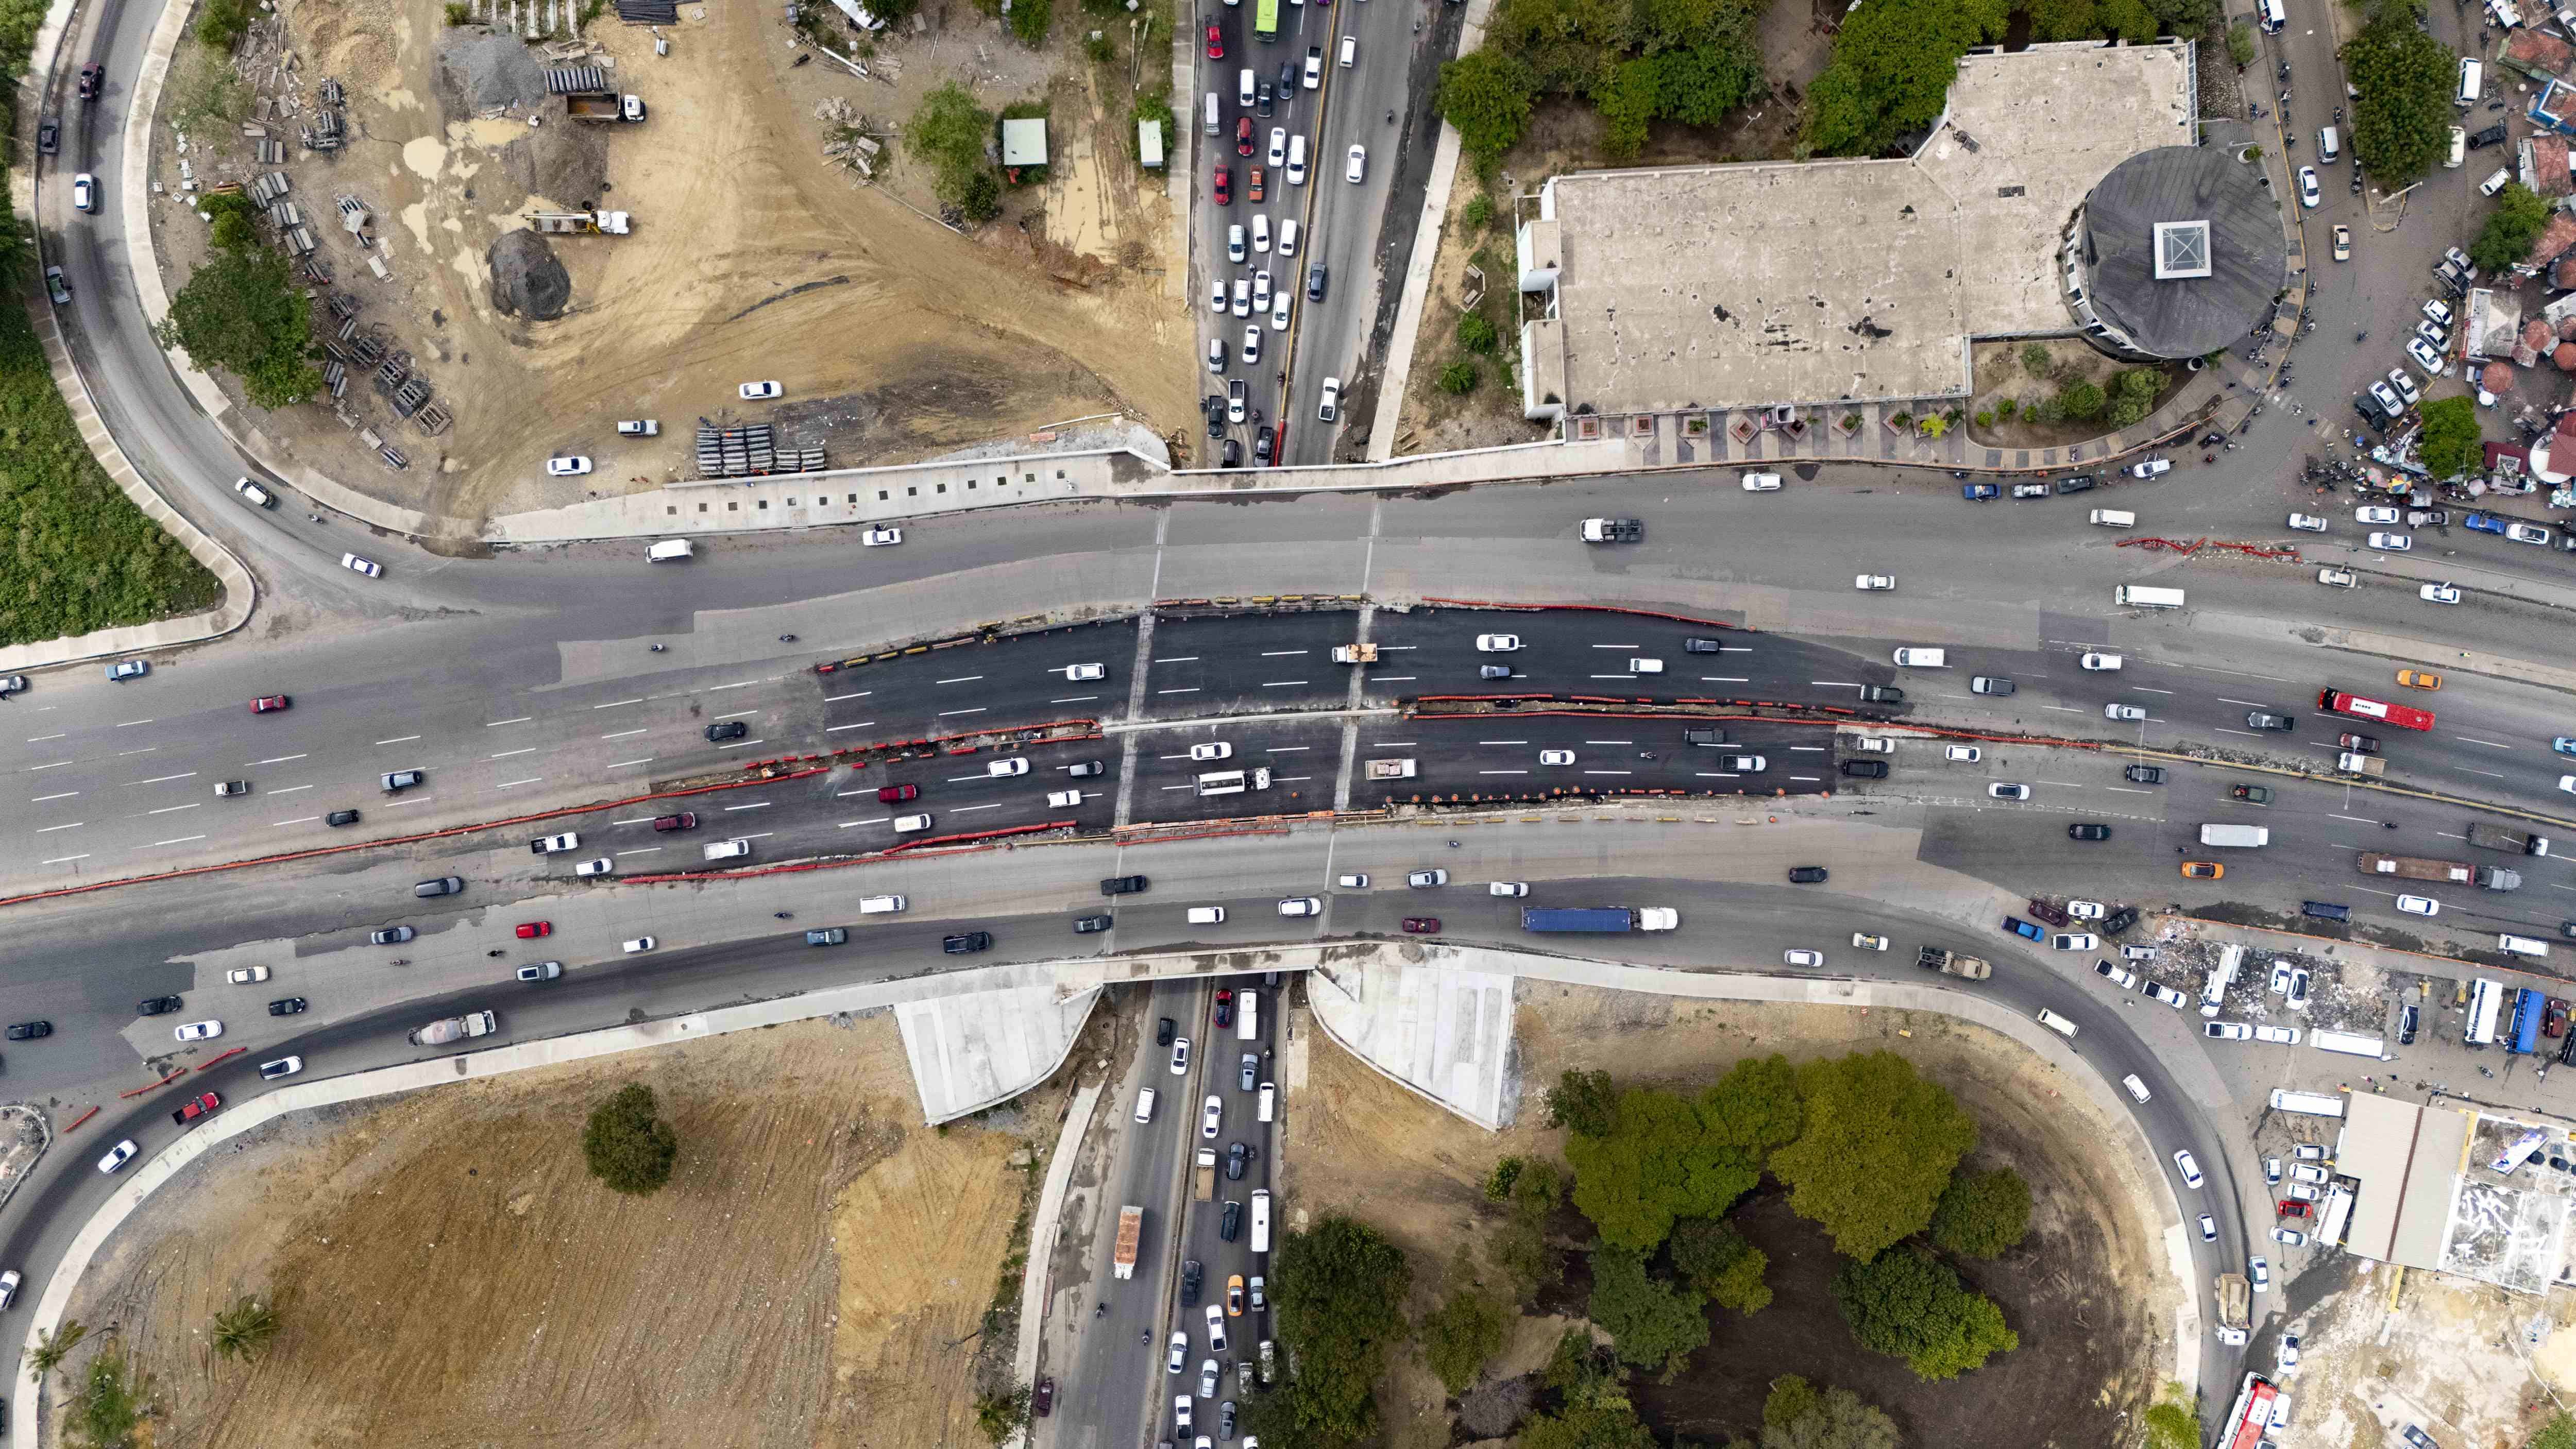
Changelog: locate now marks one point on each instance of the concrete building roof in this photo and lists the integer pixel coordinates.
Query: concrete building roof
(1731, 286)
(1024, 141)
(2405, 1158)
(2543, 165)
(2183, 249)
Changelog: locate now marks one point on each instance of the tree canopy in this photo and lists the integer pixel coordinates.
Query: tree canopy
(1718, 1261)
(1486, 94)
(2450, 439)
(1651, 1322)
(1891, 72)
(1798, 1415)
(2401, 124)
(241, 311)
(1982, 1214)
(1461, 1334)
(1336, 1294)
(2511, 228)
(1667, 1156)
(1911, 1305)
(627, 1146)
(947, 133)
(1876, 1152)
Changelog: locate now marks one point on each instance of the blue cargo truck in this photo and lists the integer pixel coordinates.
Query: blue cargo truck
(1599, 920)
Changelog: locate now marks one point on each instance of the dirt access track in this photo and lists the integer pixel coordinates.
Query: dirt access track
(752, 257)
(450, 1275)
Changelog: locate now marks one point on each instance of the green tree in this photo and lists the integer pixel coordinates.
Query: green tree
(1584, 1103)
(2511, 228)
(1460, 378)
(947, 133)
(1890, 75)
(1608, 1422)
(1720, 1263)
(1668, 1156)
(1651, 1323)
(1486, 94)
(110, 1402)
(1911, 1305)
(222, 22)
(1699, 84)
(2081, 401)
(2170, 1422)
(627, 1146)
(982, 199)
(1001, 1416)
(1337, 1291)
(1877, 1150)
(2240, 44)
(2558, 1433)
(16, 249)
(52, 1348)
(245, 1329)
(1030, 21)
(1982, 1214)
(1461, 1334)
(1627, 102)
(1475, 333)
(1518, 1250)
(242, 311)
(233, 232)
(2401, 125)
(1798, 1415)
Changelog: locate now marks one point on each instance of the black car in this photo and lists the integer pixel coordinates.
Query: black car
(1865, 769)
(1994, 684)
(828, 936)
(158, 1005)
(2406, 1026)
(2256, 719)
(1314, 281)
(1233, 455)
(2145, 774)
(1122, 885)
(1262, 99)
(341, 817)
(30, 1030)
(1093, 925)
(1190, 1282)
(1231, 1222)
(49, 136)
(90, 76)
(2566, 1053)
(1881, 694)
(2088, 832)
(2077, 483)
(1215, 410)
(1806, 875)
(1287, 80)
(1261, 442)
(2491, 136)
(966, 943)
(1163, 1030)
(727, 729)
(286, 1006)
(2119, 920)
(1701, 646)
(1235, 1157)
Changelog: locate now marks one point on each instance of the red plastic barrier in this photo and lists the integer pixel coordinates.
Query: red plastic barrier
(85, 1116)
(1593, 609)
(210, 1061)
(156, 1086)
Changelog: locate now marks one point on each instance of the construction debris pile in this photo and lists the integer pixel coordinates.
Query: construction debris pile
(851, 139)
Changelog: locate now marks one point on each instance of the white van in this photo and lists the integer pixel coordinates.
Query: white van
(1296, 156)
(1211, 112)
(1207, 915)
(2472, 82)
(2139, 596)
(911, 824)
(2459, 155)
(2326, 146)
(2237, 837)
(1243, 88)
(728, 849)
(1267, 1105)
(2114, 518)
(1145, 1106)
(2055, 1022)
(2521, 946)
(2274, 17)
(2495, 182)
(1922, 659)
(2137, 1089)
(880, 905)
(669, 550)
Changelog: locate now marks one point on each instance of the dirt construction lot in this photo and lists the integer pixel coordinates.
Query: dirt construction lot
(752, 257)
(2085, 1291)
(450, 1275)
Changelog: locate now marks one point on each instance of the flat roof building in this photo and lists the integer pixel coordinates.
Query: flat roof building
(1772, 283)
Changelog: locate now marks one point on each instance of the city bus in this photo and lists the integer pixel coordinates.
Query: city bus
(1265, 25)
(1261, 1220)
(2486, 1003)
(1233, 782)
(2354, 706)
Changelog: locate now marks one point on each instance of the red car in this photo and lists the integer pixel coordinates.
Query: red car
(2049, 913)
(1243, 136)
(90, 76)
(897, 794)
(267, 702)
(195, 1108)
(1216, 44)
(2293, 1208)
(685, 820)
(2555, 1022)
(1042, 1403)
(1421, 925)
(1224, 186)
(533, 929)
(1225, 1008)
(1253, 193)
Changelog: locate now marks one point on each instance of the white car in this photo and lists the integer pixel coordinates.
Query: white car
(568, 467)
(2337, 578)
(1497, 643)
(2405, 385)
(2439, 593)
(2392, 542)
(1261, 231)
(2280, 977)
(1063, 799)
(549, 844)
(1802, 958)
(1211, 750)
(1211, 1117)
(1261, 290)
(1359, 165)
(246, 975)
(1279, 312)
(1216, 296)
(2426, 355)
(1181, 1057)
(1242, 297)
(755, 391)
(2419, 905)
(2291, 1236)
(1556, 757)
(640, 428)
(2120, 976)
(2309, 196)
(999, 769)
(1301, 906)
(1216, 354)
(911, 824)
(2165, 994)
(1962, 754)
(640, 943)
(1077, 673)
(1352, 882)
(1761, 482)
(1278, 145)
(2208, 1228)
(2190, 1170)
(1866, 582)
(2261, 1273)
(119, 1155)
(2151, 468)
(1251, 345)
(1426, 879)
(200, 1031)
(1215, 1329)
(1329, 408)
(2099, 663)
(2439, 311)
(1507, 888)
(2009, 792)
(596, 865)
(881, 537)
(357, 565)
(2227, 1031)
(2087, 910)
(85, 191)
(2308, 522)
(1645, 666)
(252, 491)
(1747, 764)
(2525, 533)
(2374, 514)
(1868, 942)
(2277, 1035)
(1180, 1354)
(2123, 711)
(2076, 941)
(2387, 399)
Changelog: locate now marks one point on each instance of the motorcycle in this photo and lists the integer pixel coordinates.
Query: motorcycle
(656, 648)
(784, 915)
(786, 638)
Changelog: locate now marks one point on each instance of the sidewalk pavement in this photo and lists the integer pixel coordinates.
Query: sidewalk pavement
(1040, 1257)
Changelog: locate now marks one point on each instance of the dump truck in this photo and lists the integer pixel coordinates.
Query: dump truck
(1599, 920)
(1390, 769)
(1354, 654)
(2451, 872)
(1204, 1187)
(577, 223)
(603, 106)
(455, 1028)
(1613, 530)
(1969, 968)
(2353, 764)
(2234, 1298)
(2497, 837)
(1131, 1231)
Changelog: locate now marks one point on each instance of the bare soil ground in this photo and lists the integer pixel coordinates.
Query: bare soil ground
(2085, 1291)
(1796, 41)
(1998, 372)
(753, 256)
(450, 1275)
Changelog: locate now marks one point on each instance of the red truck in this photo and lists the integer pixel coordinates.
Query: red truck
(196, 1107)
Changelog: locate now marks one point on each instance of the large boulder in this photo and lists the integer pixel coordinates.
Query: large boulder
(527, 279)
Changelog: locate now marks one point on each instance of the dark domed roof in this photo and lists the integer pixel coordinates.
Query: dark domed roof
(2184, 249)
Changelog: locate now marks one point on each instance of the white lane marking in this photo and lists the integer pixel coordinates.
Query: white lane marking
(622, 764)
(1293, 779)
(622, 734)
(1618, 646)
(2248, 703)
(398, 804)
(1806, 749)
(1392, 678)
(740, 745)
(2062, 784)
(181, 840)
(40, 739)
(1180, 659)
(491, 724)
(290, 789)
(132, 722)
(960, 679)
(1283, 653)
(1810, 779)
(64, 859)
(949, 713)
(2143, 689)
(2357, 820)
(157, 779)
(879, 820)
(398, 740)
(746, 684)
(1609, 772)
(1075, 699)
(1614, 676)
(834, 729)
(1844, 683)
(1717, 775)
(1282, 683)
(531, 780)
(837, 698)
(1502, 772)
(1390, 744)
(634, 820)
(2125, 790)
(1177, 691)
(1724, 679)
(1495, 742)
(277, 759)
(56, 765)
(1288, 749)
(41, 799)
(754, 805)
(614, 703)
(2065, 709)
(50, 829)
(505, 754)
(2490, 774)
(2249, 734)
(2490, 744)
(1609, 742)
(641, 850)
(300, 820)
(2378, 892)
(1178, 787)
(965, 809)
(738, 714)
